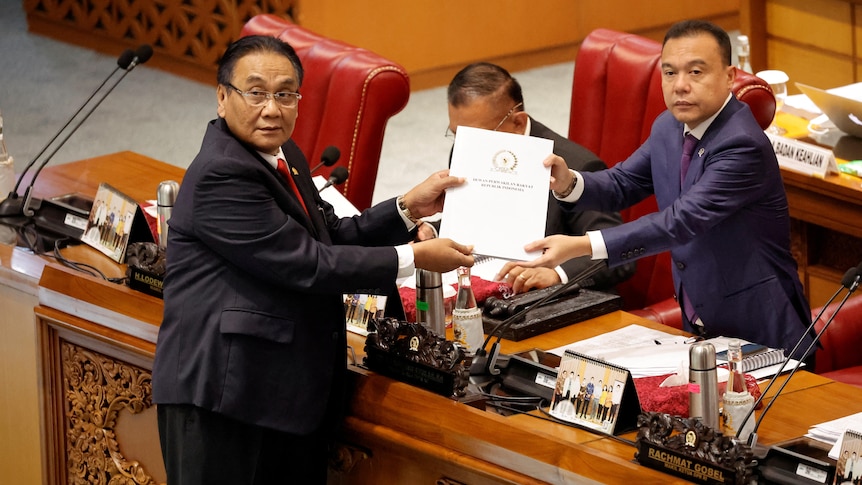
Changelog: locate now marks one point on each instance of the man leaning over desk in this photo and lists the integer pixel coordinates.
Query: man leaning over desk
(725, 219)
(484, 95)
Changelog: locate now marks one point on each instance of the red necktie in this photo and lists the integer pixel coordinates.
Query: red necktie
(285, 172)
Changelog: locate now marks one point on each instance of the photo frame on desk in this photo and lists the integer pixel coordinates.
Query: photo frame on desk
(360, 308)
(849, 459)
(115, 221)
(595, 394)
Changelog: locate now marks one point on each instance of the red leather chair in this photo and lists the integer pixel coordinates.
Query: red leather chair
(840, 357)
(348, 95)
(616, 95)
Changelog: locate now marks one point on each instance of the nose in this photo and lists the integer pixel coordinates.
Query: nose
(270, 106)
(681, 83)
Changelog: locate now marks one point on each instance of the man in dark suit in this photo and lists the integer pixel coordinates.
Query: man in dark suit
(484, 95)
(251, 355)
(725, 220)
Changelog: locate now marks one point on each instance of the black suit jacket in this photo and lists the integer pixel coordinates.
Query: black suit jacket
(578, 222)
(253, 322)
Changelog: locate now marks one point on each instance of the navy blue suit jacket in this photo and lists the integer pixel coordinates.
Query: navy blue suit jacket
(253, 322)
(727, 226)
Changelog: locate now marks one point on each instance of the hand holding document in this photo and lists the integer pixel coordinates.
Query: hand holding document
(503, 204)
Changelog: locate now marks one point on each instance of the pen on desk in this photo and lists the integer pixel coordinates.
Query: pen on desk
(689, 340)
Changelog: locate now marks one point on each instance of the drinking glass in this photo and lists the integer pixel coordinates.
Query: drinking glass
(777, 80)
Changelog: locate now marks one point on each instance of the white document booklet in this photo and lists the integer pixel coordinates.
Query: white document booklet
(504, 202)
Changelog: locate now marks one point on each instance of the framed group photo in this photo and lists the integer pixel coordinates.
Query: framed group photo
(590, 392)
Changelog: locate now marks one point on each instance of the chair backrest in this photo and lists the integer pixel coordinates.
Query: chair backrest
(348, 96)
(616, 96)
(841, 343)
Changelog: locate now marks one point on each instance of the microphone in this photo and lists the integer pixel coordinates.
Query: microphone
(330, 155)
(484, 361)
(26, 205)
(337, 177)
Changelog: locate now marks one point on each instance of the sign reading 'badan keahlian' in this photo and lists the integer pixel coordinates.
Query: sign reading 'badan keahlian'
(803, 157)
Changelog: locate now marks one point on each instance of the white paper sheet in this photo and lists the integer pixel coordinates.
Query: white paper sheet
(340, 204)
(504, 202)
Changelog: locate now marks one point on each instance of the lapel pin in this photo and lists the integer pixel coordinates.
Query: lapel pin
(297, 173)
(700, 152)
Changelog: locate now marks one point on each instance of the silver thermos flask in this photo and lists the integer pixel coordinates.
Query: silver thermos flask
(429, 301)
(703, 384)
(165, 198)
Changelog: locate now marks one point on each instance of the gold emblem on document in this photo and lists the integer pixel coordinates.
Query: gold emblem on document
(504, 161)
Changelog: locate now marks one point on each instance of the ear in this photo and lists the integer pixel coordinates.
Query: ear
(519, 121)
(731, 76)
(221, 96)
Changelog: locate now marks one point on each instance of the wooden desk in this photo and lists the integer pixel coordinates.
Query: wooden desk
(88, 345)
(826, 221)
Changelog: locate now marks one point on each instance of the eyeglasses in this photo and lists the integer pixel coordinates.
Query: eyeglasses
(451, 134)
(255, 98)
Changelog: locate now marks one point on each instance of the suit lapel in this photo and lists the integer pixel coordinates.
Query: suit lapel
(309, 192)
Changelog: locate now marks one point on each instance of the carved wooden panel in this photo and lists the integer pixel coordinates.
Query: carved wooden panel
(96, 389)
(190, 31)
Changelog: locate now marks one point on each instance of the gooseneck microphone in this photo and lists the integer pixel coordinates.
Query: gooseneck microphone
(25, 205)
(337, 177)
(850, 280)
(485, 361)
(330, 155)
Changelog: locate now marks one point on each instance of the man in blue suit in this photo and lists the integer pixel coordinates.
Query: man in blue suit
(725, 220)
(251, 357)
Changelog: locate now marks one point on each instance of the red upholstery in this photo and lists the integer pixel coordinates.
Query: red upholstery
(841, 343)
(616, 95)
(665, 311)
(348, 95)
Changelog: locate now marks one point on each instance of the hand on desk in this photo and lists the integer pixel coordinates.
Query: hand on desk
(525, 279)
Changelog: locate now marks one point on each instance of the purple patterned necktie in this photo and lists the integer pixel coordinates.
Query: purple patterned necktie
(687, 151)
(684, 162)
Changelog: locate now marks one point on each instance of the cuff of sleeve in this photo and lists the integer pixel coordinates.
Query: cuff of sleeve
(406, 265)
(597, 244)
(576, 192)
(405, 215)
(564, 278)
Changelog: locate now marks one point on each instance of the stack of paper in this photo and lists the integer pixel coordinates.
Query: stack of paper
(647, 352)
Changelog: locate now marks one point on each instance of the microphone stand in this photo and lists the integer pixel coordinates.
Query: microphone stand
(851, 281)
(778, 465)
(484, 361)
(15, 206)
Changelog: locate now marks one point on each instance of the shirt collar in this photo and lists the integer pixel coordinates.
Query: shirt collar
(272, 159)
(701, 128)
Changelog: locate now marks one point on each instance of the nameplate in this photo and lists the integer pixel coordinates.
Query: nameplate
(803, 157)
(686, 448)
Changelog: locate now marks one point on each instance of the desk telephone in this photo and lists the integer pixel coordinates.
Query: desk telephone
(573, 305)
